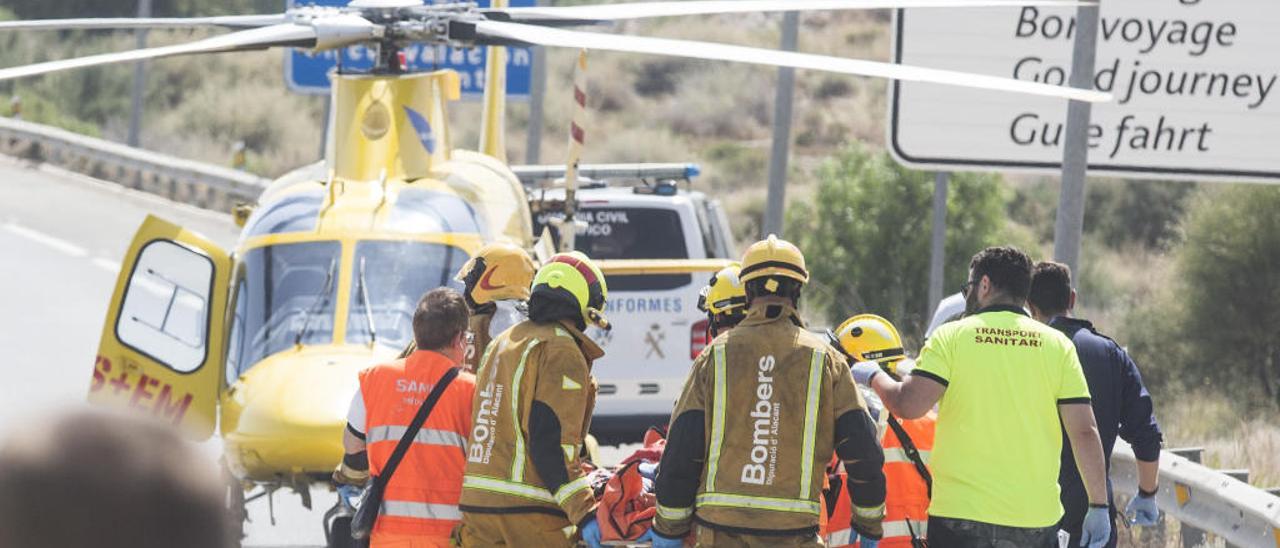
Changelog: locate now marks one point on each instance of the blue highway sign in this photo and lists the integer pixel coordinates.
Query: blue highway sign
(308, 72)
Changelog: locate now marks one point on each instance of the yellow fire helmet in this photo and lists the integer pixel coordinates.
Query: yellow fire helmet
(577, 276)
(868, 337)
(774, 257)
(499, 271)
(725, 296)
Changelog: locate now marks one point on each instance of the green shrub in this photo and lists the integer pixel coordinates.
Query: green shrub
(866, 234)
(1217, 326)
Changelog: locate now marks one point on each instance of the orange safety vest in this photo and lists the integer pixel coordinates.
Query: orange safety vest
(906, 503)
(421, 500)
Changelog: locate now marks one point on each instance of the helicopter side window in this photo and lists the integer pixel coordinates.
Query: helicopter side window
(287, 296)
(165, 312)
(388, 279)
(235, 342)
(295, 213)
(422, 211)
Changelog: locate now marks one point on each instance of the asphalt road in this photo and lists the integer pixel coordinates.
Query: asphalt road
(61, 241)
(62, 237)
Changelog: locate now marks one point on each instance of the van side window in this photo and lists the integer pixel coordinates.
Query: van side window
(631, 233)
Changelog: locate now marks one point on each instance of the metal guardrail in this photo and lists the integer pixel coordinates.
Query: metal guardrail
(220, 188)
(1205, 499)
(196, 183)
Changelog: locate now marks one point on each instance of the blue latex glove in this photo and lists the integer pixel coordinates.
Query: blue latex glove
(350, 495)
(1142, 511)
(660, 542)
(863, 371)
(648, 470)
(1097, 528)
(591, 534)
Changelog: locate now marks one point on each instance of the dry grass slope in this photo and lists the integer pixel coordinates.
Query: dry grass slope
(642, 108)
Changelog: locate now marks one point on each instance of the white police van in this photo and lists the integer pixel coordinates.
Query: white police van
(657, 328)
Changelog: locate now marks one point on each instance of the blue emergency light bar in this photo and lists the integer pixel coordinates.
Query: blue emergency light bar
(532, 174)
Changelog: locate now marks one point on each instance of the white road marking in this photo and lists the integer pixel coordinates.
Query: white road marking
(133, 193)
(106, 264)
(47, 240)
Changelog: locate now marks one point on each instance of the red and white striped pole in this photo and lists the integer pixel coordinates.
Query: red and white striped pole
(577, 139)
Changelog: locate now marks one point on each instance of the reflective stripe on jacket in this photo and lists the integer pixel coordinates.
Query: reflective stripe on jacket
(422, 496)
(532, 372)
(478, 339)
(906, 495)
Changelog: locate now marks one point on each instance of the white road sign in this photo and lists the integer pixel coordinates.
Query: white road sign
(1194, 84)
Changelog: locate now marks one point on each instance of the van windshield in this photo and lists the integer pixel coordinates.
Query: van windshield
(631, 233)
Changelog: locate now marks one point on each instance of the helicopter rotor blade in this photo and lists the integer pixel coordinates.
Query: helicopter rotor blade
(229, 21)
(545, 36)
(571, 15)
(276, 35)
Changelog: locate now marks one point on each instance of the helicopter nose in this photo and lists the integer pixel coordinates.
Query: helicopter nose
(303, 393)
(290, 410)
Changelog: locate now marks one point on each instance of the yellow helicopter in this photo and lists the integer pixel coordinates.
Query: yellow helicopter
(264, 342)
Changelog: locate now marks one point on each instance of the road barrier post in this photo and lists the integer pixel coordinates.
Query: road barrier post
(1191, 537)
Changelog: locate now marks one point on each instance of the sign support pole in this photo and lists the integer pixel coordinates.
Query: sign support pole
(1068, 229)
(537, 94)
(139, 80)
(937, 247)
(776, 201)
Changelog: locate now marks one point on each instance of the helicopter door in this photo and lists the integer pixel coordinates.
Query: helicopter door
(162, 344)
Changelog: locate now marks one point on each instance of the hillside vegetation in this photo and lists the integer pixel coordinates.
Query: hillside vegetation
(1182, 274)
(642, 108)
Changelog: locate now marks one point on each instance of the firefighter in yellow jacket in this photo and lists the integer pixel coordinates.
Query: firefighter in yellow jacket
(496, 282)
(495, 285)
(524, 483)
(760, 415)
(907, 443)
(723, 300)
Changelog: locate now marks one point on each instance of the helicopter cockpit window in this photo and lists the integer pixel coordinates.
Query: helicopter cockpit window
(165, 313)
(420, 211)
(296, 213)
(286, 295)
(388, 279)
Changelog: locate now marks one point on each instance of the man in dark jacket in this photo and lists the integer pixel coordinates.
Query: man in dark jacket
(1121, 403)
